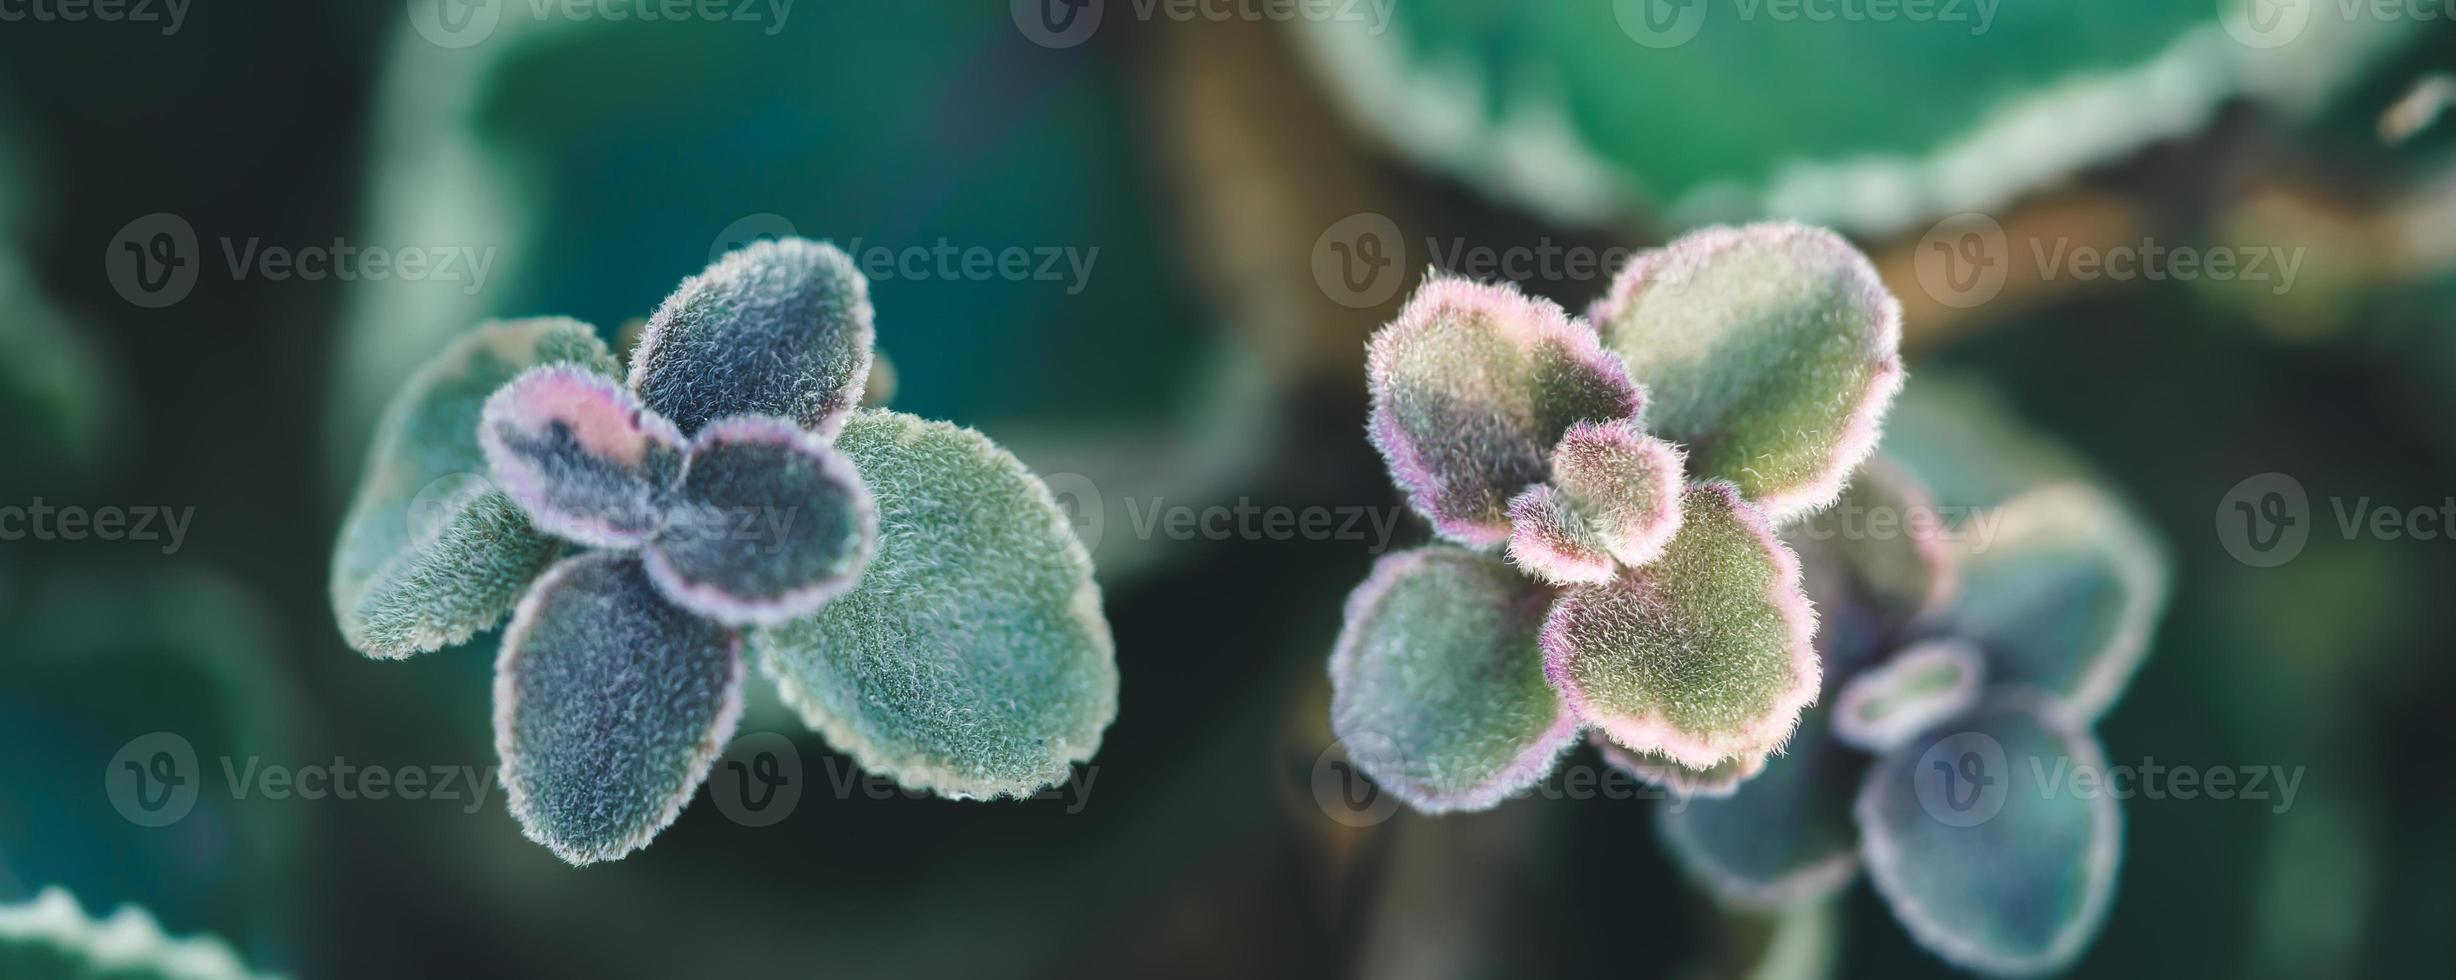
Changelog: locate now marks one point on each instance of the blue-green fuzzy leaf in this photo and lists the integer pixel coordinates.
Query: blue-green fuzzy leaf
(1783, 836)
(775, 328)
(1956, 436)
(1472, 387)
(51, 938)
(1886, 541)
(1703, 655)
(972, 659)
(1614, 499)
(1987, 849)
(583, 459)
(1770, 350)
(769, 524)
(2063, 596)
(1918, 688)
(1437, 682)
(431, 552)
(610, 705)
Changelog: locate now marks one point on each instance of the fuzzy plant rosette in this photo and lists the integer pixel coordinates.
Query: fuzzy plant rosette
(913, 592)
(1634, 550)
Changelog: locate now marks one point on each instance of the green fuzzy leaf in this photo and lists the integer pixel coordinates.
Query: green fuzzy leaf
(51, 938)
(1987, 853)
(610, 705)
(1705, 654)
(431, 552)
(1614, 497)
(972, 658)
(583, 459)
(1437, 682)
(2063, 597)
(1886, 539)
(1656, 770)
(1784, 836)
(776, 328)
(769, 524)
(1472, 387)
(1770, 350)
(1920, 687)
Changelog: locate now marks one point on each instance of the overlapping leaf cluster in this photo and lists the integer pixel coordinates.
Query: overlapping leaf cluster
(912, 589)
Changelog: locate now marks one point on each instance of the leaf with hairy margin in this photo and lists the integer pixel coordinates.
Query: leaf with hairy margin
(430, 552)
(51, 938)
(1614, 497)
(1919, 688)
(972, 658)
(1472, 387)
(1887, 540)
(582, 457)
(1784, 836)
(768, 524)
(1989, 869)
(2064, 596)
(1437, 681)
(1660, 772)
(610, 706)
(1770, 350)
(778, 327)
(1703, 655)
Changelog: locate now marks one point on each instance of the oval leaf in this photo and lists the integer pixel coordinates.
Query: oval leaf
(1472, 386)
(1614, 496)
(770, 523)
(1771, 351)
(51, 938)
(1920, 687)
(1784, 836)
(1703, 655)
(775, 328)
(972, 658)
(1437, 682)
(1984, 862)
(431, 552)
(2062, 596)
(610, 705)
(583, 459)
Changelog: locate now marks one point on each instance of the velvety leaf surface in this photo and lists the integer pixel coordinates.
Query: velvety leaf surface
(776, 328)
(1703, 655)
(610, 705)
(51, 938)
(430, 552)
(2065, 596)
(1782, 837)
(581, 456)
(1551, 540)
(1437, 682)
(1987, 852)
(972, 658)
(1886, 537)
(1472, 387)
(1655, 770)
(1614, 497)
(1918, 688)
(770, 523)
(1770, 350)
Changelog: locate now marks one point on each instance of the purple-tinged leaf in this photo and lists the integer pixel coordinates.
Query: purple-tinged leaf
(775, 328)
(768, 524)
(1918, 688)
(582, 457)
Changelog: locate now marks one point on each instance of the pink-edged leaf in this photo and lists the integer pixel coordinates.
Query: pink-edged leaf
(768, 524)
(582, 457)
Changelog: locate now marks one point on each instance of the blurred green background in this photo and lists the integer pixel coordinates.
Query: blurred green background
(1194, 345)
